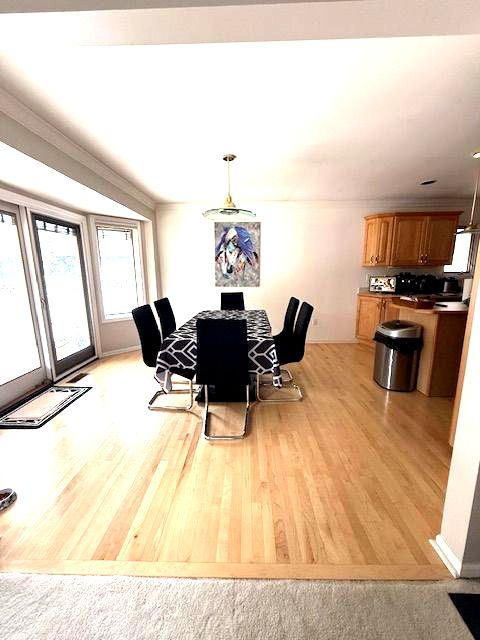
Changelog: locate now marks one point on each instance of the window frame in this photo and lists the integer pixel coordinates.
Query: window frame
(472, 255)
(119, 224)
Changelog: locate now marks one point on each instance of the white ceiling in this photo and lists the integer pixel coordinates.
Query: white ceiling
(326, 120)
(335, 119)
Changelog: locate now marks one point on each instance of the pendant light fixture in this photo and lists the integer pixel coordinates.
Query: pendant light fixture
(473, 227)
(229, 208)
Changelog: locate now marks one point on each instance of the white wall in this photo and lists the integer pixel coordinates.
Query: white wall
(459, 539)
(119, 336)
(311, 250)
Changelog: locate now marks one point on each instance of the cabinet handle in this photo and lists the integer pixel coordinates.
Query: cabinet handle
(371, 259)
(426, 258)
(376, 259)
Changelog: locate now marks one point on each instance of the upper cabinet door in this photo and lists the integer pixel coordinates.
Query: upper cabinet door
(407, 244)
(370, 242)
(384, 240)
(440, 239)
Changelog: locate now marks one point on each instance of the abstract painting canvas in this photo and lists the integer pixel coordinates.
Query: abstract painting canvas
(237, 254)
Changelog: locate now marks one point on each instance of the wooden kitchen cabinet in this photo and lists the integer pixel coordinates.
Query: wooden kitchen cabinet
(410, 239)
(371, 311)
(389, 312)
(378, 240)
(439, 239)
(407, 242)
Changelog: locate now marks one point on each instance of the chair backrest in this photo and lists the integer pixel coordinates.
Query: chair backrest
(166, 317)
(232, 300)
(222, 352)
(300, 330)
(290, 314)
(148, 333)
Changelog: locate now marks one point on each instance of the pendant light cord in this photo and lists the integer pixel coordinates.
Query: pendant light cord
(472, 214)
(228, 174)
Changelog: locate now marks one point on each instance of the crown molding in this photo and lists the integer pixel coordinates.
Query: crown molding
(175, 22)
(36, 6)
(23, 129)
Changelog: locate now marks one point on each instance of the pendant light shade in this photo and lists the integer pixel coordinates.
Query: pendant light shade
(229, 208)
(473, 227)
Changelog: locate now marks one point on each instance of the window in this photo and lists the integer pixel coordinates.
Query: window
(120, 270)
(18, 344)
(464, 254)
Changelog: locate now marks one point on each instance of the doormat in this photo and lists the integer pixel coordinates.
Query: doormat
(468, 606)
(39, 410)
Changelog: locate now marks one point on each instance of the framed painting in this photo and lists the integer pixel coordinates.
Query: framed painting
(237, 254)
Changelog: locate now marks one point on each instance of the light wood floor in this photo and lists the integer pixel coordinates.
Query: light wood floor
(348, 483)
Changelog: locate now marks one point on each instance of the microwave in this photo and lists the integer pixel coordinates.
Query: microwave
(382, 284)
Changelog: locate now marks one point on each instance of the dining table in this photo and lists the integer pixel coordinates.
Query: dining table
(179, 349)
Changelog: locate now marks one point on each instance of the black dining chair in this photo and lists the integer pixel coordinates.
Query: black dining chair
(287, 331)
(291, 349)
(166, 316)
(151, 342)
(222, 361)
(232, 301)
(168, 323)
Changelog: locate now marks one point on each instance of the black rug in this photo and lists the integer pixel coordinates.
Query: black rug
(37, 411)
(468, 606)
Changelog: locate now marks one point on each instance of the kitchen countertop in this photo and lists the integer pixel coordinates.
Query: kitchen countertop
(441, 297)
(450, 308)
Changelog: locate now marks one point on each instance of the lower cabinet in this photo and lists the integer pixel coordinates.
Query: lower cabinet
(371, 311)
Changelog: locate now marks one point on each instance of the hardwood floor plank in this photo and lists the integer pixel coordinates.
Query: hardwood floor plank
(348, 483)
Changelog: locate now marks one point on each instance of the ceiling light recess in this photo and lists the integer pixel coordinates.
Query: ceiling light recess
(229, 209)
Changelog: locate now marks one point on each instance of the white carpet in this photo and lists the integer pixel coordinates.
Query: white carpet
(41, 607)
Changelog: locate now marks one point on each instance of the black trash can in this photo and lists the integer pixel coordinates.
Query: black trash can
(397, 353)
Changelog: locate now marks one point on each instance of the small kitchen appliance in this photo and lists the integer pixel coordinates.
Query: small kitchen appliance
(382, 284)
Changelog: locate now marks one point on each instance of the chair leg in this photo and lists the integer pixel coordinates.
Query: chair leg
(239, 436)
(283, 372)
(298, 394)
(172, 407)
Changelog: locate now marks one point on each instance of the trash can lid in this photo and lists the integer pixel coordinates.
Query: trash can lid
(400, 329)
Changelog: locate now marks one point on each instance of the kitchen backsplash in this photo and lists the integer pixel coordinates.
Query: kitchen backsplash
(390, 271)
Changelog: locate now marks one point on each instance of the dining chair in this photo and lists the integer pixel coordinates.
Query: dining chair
(232, 301)
(151, 342)
(222, 360)
(166, 316)
(287, 331)
(291, 349)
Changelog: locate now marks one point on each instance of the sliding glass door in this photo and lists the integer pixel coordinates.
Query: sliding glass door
(22, 365)
(64, 292)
